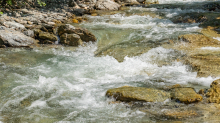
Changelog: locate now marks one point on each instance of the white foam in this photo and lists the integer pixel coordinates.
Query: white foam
(38, 104)
(210, 48)
(217, 38)
(76, 81)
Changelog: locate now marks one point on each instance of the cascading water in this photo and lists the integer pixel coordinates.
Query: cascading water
(63, 85)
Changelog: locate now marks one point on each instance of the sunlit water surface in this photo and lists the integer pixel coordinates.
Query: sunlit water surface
(62, 85)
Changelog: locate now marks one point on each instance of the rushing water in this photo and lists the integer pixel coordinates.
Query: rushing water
(68, 85)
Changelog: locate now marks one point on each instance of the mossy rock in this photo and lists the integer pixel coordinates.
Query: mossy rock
(213, 93)
(185, 95)
(128, 94)
(47, 36)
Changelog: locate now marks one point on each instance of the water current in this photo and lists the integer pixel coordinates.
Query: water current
(63, 85)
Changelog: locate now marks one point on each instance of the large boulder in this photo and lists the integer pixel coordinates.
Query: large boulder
(185, 95)
(67, 28)
(47, 36)
(70, 39)
(84, 34)
(12, 38)
(213, 93)
(129, 1)
(128, 94)
(107, 5)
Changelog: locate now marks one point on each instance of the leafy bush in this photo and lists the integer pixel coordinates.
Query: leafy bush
(6, 3)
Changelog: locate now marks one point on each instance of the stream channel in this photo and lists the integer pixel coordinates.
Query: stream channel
(64, 84)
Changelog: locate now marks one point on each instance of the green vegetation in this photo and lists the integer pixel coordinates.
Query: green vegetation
(41, 3)
(18, 3)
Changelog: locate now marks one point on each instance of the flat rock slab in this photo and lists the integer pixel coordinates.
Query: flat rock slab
(14, 25)
(12, 38)
(202, 53)
(199, 40)
(138, 94)
(185, 95)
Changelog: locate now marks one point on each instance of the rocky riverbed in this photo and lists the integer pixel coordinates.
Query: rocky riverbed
(111, 61)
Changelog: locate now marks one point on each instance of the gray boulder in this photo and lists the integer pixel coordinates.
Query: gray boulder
(29, 33)
(14, 25)
(130, 1)
(107, 5)
(12, 38)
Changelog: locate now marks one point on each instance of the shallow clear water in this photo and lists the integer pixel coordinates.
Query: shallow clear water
(69, 85)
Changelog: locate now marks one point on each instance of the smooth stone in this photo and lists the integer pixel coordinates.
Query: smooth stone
(128, 94)
(185, 95)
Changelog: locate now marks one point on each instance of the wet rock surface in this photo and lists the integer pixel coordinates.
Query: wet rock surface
(213, 93)
(185, 95)
(200, 55)
(71, 39)
(84, 34)
(156, 103)
(128, 94)
(47, 36)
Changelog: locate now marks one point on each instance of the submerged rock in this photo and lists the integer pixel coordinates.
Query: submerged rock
(179, 114)
(138, 94)
(198, 40)
(12, 38)
(202, 54)
(170, 110)
(213, 93)
(185, 95)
